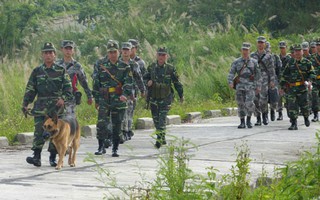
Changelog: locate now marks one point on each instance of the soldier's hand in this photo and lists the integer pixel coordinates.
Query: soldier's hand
(60, 102)
(123, 98)
(281, 92)
(89, 101)
(25, 111)
(272, 84)
(181, 99)
(143, 94)
(231, 85)
(149, 84)
(96, 106)
(258, 90)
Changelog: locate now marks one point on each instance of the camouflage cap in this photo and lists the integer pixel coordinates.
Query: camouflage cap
(305, 45)
(297, 47)
(48, 46)
(282, 44)
(126, 45)
(162, 50)
(112, 45)
(246, 45)
(313, 44)
(318, 41)
(261, 39)
(67, 43)
(291, 48)
(134, 42)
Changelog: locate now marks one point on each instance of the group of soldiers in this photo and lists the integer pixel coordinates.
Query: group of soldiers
(118, 78)
(262, 79)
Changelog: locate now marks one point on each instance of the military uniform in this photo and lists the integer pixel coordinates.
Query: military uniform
(76, 74)
(141, 63)
(138, 85)
(161, 94)
(316, 85)
(305, 48)
(111, 81)
(48, 84)
(294, 76)
(248, 72)
(266, 65)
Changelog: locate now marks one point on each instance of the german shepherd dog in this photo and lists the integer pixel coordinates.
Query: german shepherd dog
(65, 133)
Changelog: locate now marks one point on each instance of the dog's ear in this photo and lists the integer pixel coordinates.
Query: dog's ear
(55, 118)
(46, 117)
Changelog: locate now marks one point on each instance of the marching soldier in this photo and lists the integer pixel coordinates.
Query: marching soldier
(305, 49)
(295, 81)
(313, 48)
(266, 66)
(316, 84)
(159, 77)
(50, 83)
(133, 55)
(112, 87)
(247, 83)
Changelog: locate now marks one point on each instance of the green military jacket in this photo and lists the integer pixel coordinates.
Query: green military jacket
(165, 74)
(48, 84)
(297, 71)
(102, 80)
(316, 64)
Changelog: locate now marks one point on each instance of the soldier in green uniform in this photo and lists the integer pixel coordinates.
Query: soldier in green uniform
(296, 80)
(51, 85)
(313, 47)
(316, 84)
(248, 83)
(138, 85)
(112, 87)
(284, 57)
(305, 49)
(159, 77)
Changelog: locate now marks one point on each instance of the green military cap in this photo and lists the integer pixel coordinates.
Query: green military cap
(297, 47)
(291, 48)
(261, 39)
(134, 42)
(67, 43)
(313, 44)
(282, 44)
(246, 45)
(126, 45)
(162, 50)
(112, 45)
(318, 41)
(305, 45)
(48, 46)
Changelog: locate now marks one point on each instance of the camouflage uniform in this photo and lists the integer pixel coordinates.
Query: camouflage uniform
(316, 87)
(293, 81)
(266, 66)
(284, 60)
(48, 85)
(161, 94)
(76, 74)
(107, 96)
(131, 103)
(141, 63)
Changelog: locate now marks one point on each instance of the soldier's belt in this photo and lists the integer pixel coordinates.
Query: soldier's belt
(111, 89)
(296, 84)
(318, 77)
(50, 97)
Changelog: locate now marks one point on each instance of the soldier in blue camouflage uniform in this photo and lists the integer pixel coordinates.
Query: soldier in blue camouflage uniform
(274, 93)
(159, 77)
(266, 66)
(138, 85)
(295, 81)
(249, 84)
(76, 74)
(133, 55)
(112, 87)
(316, 84)
(51, 85)
(284, 57)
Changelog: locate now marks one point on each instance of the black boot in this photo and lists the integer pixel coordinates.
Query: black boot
(158, 141)
(265, 119)
(128, 135)
(115, 150)
(249, 124)
(280, 117)
(315, 117)
(52, 159)
(258, 121)
(272, 115)
(163, 138)
(107, 143)
(242, 123)
(101, 149)
(36, 159)
(306, 121)
(293, 124)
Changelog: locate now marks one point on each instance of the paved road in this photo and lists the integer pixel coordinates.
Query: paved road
(270, 146)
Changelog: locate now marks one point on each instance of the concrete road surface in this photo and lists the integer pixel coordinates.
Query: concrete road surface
(270, 146)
